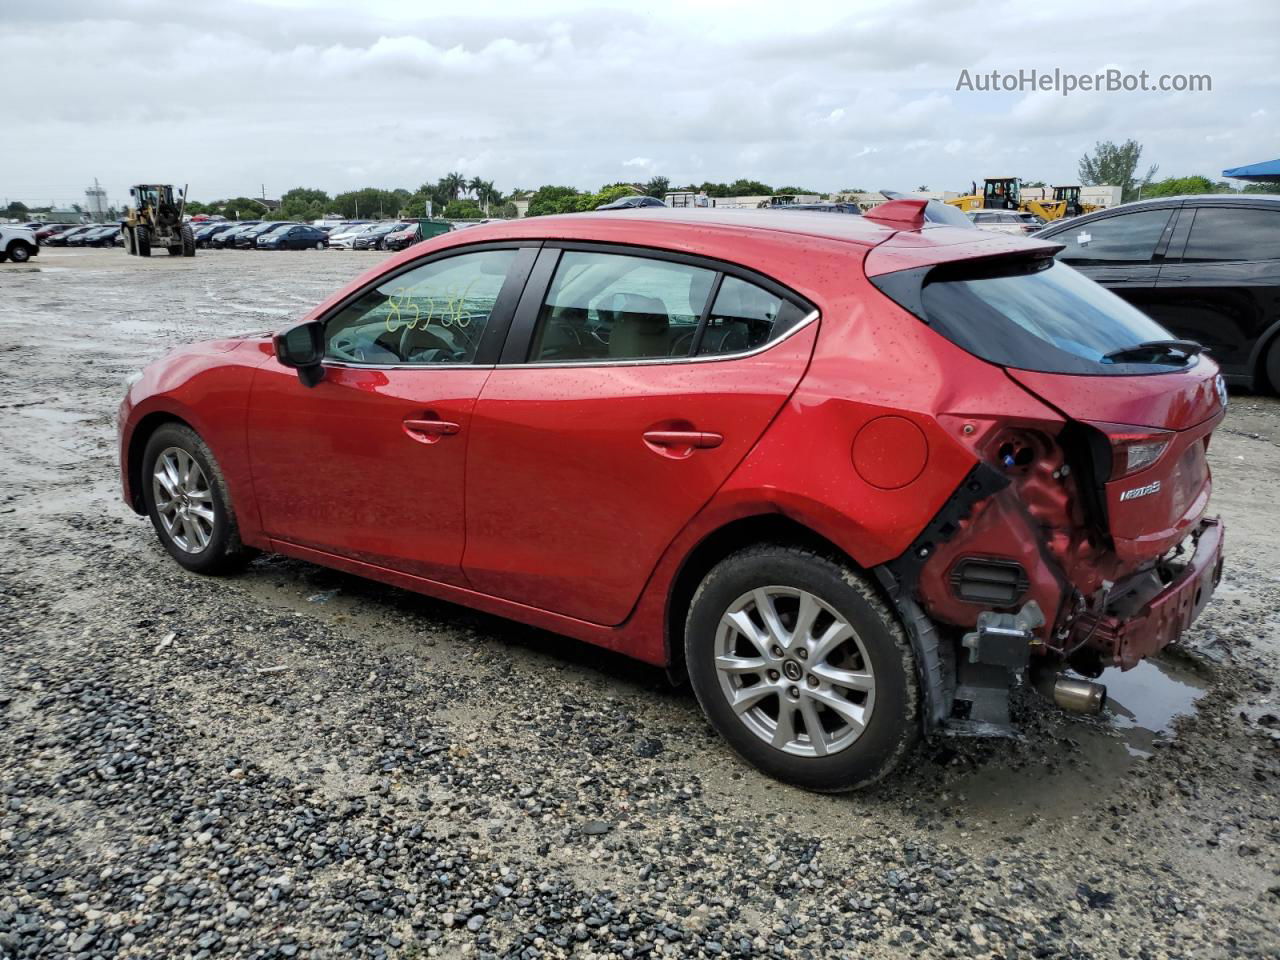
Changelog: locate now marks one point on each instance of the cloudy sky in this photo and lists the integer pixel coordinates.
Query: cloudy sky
(233, 95)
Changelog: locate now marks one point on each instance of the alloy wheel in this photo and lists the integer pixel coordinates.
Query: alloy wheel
(184, 500)
(794, 671)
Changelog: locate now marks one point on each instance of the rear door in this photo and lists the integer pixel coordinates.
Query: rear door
(1220, 282)
(1120, 251)
(633, 382)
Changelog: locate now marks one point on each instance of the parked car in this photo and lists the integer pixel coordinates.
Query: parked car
(227, 238)
(374, 237)
(1003, 221)
(342, 238)
(631, 203)
(60, 237)
(52, 229)
(769, 451)
(206, 234)
(97, 235)
(835, 207)
(17, 243)
(294, 236)
(415, 232)
(1205, 267)
(245, 239)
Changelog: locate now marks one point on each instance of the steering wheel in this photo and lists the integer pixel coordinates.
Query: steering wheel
(345, 345)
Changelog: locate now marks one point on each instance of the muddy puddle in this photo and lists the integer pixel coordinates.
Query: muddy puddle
(1085, 758)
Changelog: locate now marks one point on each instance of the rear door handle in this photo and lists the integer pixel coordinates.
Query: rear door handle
(429, 431)
(697, 439)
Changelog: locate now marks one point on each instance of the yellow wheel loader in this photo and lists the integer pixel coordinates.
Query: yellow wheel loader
(154, 220)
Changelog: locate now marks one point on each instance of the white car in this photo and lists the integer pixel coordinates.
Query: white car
(341, 238)
(17, 243)
(1006, 221)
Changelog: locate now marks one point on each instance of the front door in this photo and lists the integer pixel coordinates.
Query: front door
(637, 385)
(369, 464)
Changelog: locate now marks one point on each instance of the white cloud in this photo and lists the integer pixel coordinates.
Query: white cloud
(338, 95)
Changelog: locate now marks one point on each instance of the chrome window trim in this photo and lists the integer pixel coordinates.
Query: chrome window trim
(808, 318)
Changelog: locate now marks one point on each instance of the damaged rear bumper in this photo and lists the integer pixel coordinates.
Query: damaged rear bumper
(1150, 620)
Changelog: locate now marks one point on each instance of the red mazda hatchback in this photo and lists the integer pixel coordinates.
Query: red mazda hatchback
(855, 476)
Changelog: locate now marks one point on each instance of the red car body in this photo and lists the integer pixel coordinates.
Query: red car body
(589, 499)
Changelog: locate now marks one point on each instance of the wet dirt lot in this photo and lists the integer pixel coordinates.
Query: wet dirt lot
(295, 762)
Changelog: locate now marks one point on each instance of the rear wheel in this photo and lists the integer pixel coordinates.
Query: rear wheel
(188, 502)
(142, 241)
(188, 242)
(801, 667)
(1272, 365)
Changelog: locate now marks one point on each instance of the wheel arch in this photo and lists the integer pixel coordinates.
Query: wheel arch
(142, 433)
(721, 542)
(1258, 361)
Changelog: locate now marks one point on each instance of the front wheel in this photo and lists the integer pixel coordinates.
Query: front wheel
(1271, 365)
(142, 241)
(188, 241)
(188, 502)
(802, 668)
(19, 252)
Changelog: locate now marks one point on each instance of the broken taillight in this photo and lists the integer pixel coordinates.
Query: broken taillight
(1133, 448)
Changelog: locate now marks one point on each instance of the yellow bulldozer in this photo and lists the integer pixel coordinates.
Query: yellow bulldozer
(1005, 193)
(153, 219)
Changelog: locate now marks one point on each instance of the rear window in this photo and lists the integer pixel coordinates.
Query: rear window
(1033, 315)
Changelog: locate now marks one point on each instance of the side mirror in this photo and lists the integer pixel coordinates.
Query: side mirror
(302, 347)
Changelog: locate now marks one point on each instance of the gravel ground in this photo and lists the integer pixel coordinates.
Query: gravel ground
(295, 762)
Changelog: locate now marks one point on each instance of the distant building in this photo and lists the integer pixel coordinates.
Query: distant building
(687, 198)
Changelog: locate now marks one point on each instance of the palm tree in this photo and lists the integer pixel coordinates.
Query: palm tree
(474, 185)
(486, 193)
(454, 184)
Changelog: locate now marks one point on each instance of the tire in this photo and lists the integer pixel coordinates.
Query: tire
(319, 244)
(19, 252)
(142, 241)
(203, 540)
(878, 723)
(1271, 365)
(188, 242)
(128, 240)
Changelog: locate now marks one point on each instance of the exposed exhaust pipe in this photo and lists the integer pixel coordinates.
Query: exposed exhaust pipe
(1072, 693)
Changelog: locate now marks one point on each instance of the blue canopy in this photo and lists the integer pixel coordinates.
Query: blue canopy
(1268, 172)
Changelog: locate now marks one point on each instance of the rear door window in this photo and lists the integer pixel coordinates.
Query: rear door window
(1125, 238)
(1221, 233)
(604, 306)
(744, 317)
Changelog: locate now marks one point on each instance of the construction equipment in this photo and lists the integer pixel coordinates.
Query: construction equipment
(998, 193)
(1005, 193)
(155, 220)
(1071, 197)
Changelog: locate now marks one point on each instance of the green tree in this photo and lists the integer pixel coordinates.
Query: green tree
(16, 209)
(797, 190)
(1116, 166)
(1262, 188)
(549, 199)
(454, 184)
(1180, 186)
(657, 187)
(749, 188)
(304, 203)
(369, 203)
(242, 208)
(463, 209)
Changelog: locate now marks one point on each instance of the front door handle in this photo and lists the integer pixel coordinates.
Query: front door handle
(687, 439)
(429, 431)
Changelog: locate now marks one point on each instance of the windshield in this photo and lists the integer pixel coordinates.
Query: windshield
(1039, 315)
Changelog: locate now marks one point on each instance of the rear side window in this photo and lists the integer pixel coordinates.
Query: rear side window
(744, 317)
(1031, 315)
(1126, 238)
(1218, 233)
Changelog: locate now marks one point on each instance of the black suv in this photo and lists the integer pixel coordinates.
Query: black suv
(1205, 267)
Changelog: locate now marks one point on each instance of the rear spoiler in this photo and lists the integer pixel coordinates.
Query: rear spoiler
(907, 250)
(904, 214)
